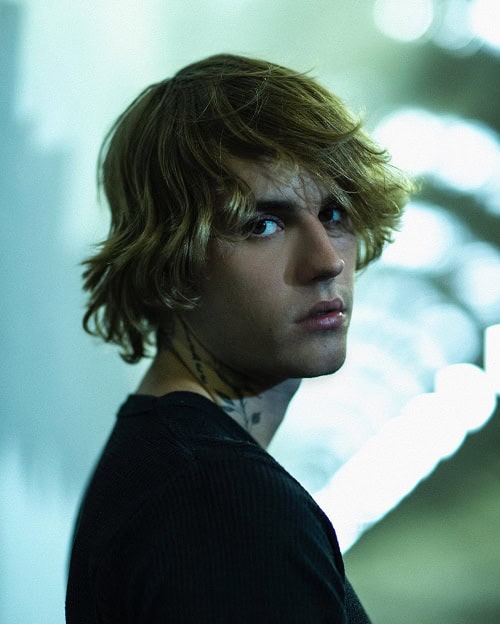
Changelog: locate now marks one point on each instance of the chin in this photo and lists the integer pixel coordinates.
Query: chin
(320, 372)
(318, 368)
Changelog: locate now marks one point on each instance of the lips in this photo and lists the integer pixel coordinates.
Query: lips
(324, 315)
(326, 307)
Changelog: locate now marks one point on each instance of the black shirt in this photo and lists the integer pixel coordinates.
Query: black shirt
(187, 519)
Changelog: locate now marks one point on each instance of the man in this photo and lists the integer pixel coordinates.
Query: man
(243, 198)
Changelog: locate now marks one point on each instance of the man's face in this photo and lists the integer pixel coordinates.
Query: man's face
(278, 304)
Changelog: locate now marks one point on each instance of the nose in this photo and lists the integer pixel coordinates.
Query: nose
(318, 256)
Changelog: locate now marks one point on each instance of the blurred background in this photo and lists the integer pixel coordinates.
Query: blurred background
(401, 447)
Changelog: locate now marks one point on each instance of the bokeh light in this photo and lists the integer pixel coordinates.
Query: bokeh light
(476, 281)
(460, 154)
(411, 135)
(485, 22)
(427, 239)
(404, 21)
(451, 29)
(461, 27)
(469, 155)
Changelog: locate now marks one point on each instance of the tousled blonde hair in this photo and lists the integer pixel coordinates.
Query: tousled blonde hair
(164, 170)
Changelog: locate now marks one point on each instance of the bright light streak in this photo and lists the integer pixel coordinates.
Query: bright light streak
(469, 392)
(485, 21)
(386, 469)
(492, 355)
(404, 21)
(431, 427)
(427, 239)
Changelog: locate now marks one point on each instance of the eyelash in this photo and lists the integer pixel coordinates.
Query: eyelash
(342, 223)
(265, 219)
(344, 220)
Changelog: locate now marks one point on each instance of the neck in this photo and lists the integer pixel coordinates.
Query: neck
(182, 363)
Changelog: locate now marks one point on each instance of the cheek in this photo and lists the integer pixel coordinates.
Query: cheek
(245, 296)
(244, 276)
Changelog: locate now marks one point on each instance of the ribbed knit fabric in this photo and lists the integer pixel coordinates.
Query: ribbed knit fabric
(187, 519)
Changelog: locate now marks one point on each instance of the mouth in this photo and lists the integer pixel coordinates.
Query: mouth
(325, 315)
(326, 307)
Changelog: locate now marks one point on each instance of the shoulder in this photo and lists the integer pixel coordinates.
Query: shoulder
(190, 515)
(232, 529)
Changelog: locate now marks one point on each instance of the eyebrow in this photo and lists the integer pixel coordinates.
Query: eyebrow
(281, 205)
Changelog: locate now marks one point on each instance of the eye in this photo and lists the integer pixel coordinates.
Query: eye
(265, 227)
(334, 215)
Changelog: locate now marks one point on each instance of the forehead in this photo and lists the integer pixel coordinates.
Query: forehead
(271, 181)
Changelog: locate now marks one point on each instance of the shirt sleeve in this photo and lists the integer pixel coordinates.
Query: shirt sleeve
(229, 541)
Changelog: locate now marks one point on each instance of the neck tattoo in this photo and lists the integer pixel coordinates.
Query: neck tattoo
(218, 381)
